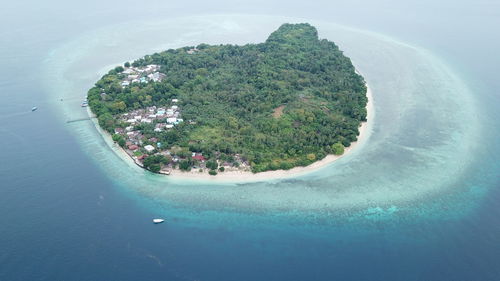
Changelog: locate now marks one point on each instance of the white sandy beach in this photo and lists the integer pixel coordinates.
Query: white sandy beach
(247, 176)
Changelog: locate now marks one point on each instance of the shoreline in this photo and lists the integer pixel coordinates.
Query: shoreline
(247, 176)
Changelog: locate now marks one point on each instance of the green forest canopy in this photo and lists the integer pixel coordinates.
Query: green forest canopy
(279, 104)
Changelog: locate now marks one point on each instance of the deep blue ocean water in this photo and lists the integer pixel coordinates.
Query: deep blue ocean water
(65, 215)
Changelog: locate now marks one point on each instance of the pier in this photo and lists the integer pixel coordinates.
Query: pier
(78, 120)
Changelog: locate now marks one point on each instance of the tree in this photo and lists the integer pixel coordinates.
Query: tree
(337, 149)
(116, 137)
(212, 172)
(155, 168)
(185, 165)
(212, 164)
(127, 64)
(119, 106)
(311, 157)
(122, 142)
(119, 139)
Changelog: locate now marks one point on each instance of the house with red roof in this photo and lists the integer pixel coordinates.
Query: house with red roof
(198, 157)
(133, 147)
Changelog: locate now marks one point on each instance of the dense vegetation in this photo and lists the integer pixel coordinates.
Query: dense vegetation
(286, 102)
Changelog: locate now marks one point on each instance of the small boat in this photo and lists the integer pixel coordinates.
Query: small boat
(157, 221)
(84, 103)
(34, 108)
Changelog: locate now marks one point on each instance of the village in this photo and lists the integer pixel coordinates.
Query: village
(141, 75)
(138, 147)
(139, 132)
(136, 144)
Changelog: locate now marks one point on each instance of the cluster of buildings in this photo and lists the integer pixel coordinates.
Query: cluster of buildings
(167, 117)
(164, 118)
(142, 74)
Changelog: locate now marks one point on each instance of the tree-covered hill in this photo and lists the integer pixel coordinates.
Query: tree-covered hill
(286, 102)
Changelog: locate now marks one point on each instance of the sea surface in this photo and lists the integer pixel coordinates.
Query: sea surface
(418, 200)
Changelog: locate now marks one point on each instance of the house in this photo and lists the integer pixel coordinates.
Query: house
(198, 157)
(133, 147)
(175, 107)
(149, 148)
(156, 77)
(169, 126)
(125, 84)
(128, 71)
(157, 130)
(119, 131)
(171, 120)
(175, 100)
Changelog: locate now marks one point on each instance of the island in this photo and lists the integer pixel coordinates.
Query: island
(287, 102)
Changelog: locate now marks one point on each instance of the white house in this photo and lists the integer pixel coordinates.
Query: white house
(149, 148)
(128, 71)
(156, 77)
(171, 120)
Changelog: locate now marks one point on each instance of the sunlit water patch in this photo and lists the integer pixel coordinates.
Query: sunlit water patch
(420, 144)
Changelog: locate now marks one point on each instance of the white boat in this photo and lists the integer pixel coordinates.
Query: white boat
(34, 108)
(157, 221)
